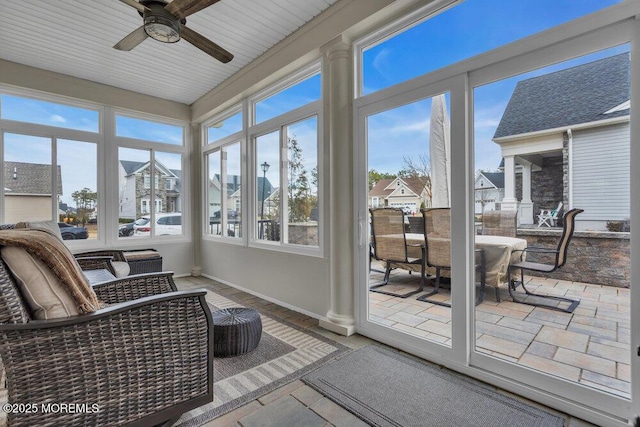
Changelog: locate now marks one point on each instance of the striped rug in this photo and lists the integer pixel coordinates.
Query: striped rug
(286, 352)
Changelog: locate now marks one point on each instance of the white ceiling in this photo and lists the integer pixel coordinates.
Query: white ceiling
(75, 37)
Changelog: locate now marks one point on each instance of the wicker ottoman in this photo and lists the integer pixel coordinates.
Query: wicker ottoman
(144, 261)
(236, 331)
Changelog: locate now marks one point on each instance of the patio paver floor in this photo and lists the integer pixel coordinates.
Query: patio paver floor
(589, 346)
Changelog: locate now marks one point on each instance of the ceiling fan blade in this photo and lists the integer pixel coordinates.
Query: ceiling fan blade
(205, 44)
(183, 8)
(133, 3)
(136, 37)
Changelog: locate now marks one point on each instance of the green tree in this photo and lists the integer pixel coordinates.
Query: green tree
(299, 191)
(375, 176)
(419, 168)
(85, 203)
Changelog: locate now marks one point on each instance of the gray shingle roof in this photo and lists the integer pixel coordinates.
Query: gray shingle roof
(565, 98)
(496, 178)
(130, 167)
(31, 178)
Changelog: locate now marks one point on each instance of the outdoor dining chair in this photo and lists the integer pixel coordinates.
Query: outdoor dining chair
(390, 245)
(560, 258)
(437, 235)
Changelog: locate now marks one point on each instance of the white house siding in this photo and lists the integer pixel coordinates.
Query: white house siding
(600, 175)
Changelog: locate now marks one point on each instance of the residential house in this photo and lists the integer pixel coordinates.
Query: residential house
(27, 191)
(233, 193)
(409, 194)
(61, 53)
(565, 132)
(489, 191)
(135, 189)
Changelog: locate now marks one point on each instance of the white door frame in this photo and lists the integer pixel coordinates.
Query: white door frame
(611, 27)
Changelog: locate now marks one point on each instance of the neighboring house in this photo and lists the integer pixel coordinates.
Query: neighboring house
(489, 191)
(27, 191)
(405, 193)
(563, 133)
(234, 193)
(135, 189)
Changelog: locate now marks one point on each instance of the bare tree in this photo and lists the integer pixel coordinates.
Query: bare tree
(419, 168)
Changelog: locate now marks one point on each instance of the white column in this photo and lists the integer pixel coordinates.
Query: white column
(525, 214)
(509, 202)
(338, 112)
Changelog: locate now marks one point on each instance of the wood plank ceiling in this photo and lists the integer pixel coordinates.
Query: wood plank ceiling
(76, 37)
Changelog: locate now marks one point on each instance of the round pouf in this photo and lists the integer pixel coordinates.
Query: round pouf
(236, 331)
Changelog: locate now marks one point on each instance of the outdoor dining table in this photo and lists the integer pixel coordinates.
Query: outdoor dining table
(499, 252)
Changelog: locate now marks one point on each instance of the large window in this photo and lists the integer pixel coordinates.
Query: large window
(50, 177)
(223, 187)
(286, 192)
(150, 179)
(268, 194)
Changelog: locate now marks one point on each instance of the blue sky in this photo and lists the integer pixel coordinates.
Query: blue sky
(446, 39)
(404, 132)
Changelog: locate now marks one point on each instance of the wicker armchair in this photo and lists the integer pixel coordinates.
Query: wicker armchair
(143, 360)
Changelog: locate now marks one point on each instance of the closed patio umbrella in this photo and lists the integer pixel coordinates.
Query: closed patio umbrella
(439, 152)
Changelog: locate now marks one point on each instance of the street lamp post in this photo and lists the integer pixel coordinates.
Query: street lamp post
(265, 167)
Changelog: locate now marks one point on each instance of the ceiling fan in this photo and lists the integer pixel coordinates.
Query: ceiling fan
(165, 21)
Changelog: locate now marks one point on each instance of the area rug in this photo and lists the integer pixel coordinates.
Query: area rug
(386, 388)
(286, 352)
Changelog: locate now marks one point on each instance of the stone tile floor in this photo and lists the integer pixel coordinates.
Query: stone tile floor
(589, 346)
(296, 404)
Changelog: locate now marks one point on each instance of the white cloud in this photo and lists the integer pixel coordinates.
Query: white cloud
(56, 118)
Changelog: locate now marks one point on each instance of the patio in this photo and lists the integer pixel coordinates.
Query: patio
(589, 346)
(296, 394)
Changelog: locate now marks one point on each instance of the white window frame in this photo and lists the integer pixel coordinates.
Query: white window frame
(279, 123)
(54, 134)
(153, 147)
(210, 147)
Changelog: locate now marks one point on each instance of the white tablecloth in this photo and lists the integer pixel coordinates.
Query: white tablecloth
(499, 251)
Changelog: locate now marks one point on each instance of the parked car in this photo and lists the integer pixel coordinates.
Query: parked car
(126, 230)
(166, 224)
(230, 214)
(69, 232)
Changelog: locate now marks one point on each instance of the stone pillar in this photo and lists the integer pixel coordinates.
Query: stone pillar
(509, 202)
(338, 112)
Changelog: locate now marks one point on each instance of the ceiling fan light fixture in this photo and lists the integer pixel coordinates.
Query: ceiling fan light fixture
(163, 29)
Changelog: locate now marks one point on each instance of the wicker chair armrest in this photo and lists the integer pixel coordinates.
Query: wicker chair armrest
(115, 254)
(96, 263)
(141, 362)
(133, 287)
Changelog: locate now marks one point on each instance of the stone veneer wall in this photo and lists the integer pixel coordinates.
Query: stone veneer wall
(303, 233)
(594, 257)
(547, 185)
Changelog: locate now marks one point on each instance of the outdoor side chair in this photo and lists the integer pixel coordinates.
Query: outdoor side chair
(144, 359)
(560, 258)
(500, 223)
(549, 217)
(390, 245)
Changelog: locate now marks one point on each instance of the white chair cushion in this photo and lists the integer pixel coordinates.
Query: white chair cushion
(43, 293)
(122, 268)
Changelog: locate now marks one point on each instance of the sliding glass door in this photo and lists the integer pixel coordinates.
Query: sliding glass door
(533, 292)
